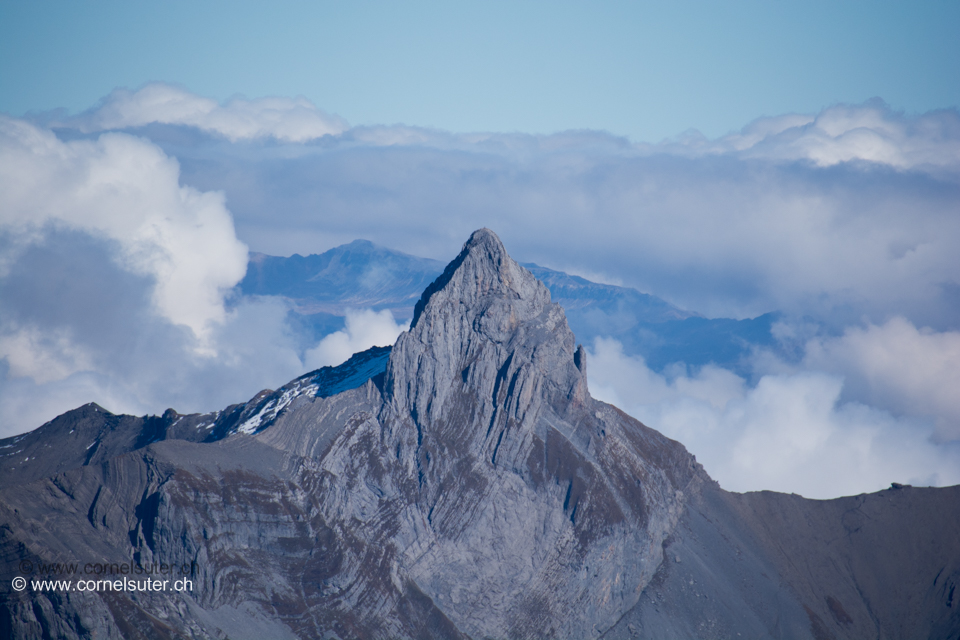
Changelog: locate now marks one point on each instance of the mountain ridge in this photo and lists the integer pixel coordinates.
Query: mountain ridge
(322, 287)
(470, 487)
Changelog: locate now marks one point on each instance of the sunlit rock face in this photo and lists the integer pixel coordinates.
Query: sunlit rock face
(462, 483)
(514, 501)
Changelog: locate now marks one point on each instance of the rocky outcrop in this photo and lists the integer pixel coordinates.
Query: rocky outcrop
(515, 502)
(461, 484)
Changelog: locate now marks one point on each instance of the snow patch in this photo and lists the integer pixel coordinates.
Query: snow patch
(323, 383)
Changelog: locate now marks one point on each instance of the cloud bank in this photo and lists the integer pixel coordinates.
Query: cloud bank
(289, 120)
(117, 254)
(898, 367)
(730, 229)
(126, 190)
(114, 281)
(789, 432)
(843, 133)
(364, 328)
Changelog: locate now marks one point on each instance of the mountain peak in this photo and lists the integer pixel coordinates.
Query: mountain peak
(484, 315)
(482, 269)
(486, 240)
(486, 419)
(476, 490)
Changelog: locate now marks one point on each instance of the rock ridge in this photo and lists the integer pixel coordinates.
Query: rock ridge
(507, 471)
(460, 484)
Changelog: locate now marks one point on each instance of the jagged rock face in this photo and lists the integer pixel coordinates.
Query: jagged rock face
(484, 311)
(461, 484)
(513, 500)
(473, 487)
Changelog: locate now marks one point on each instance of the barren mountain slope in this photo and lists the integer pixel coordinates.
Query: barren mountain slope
(461, 484)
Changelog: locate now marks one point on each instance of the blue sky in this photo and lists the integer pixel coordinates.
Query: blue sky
(638, 69)
(731, 158)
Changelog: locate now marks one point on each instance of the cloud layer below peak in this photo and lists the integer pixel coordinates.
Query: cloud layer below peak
(792, 431)
(126, 190)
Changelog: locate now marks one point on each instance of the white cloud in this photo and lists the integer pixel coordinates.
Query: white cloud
(718, 232)
(145, 365)
(43, 356)
(127, 190)
(846, 217)
(870, 132)
(113, 279)
(898, 367)
(364, 329)
(290, 120)
(728, 227)
(789, 433)
(113, 285)
(26, 404)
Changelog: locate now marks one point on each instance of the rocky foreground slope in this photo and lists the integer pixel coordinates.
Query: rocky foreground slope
(461, 484)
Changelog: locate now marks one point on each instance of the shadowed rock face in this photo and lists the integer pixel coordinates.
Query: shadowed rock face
(461, 484)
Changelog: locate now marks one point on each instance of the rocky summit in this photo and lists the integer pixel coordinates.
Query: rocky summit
(461, 484)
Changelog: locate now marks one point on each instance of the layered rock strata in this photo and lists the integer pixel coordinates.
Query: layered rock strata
(461, 484)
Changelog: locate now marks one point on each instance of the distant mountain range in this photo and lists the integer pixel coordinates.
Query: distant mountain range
(364, 275)
(461, 483)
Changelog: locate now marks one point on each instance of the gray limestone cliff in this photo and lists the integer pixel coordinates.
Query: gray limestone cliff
(462, 483)
(515, 502)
